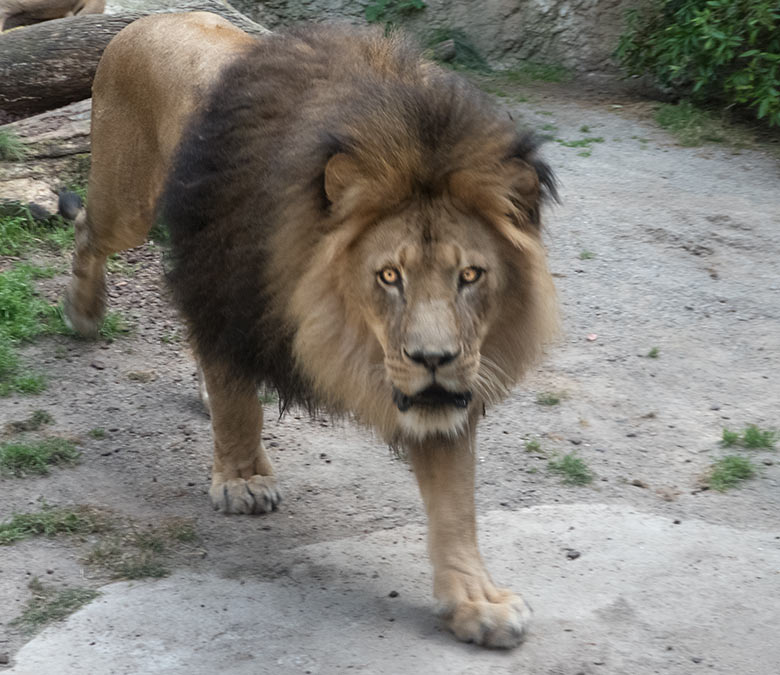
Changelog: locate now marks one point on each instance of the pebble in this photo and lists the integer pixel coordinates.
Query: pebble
(393, 594)
(98, 365)
(572, 554)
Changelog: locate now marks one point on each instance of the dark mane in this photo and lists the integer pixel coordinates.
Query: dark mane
(256, 153)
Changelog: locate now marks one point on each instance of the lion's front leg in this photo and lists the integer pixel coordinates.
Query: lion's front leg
(242, 478)
(473, 608)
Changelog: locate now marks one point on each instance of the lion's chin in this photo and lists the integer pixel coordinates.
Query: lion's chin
(421, 423)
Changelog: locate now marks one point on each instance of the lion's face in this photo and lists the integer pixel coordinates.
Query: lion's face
(429, 281)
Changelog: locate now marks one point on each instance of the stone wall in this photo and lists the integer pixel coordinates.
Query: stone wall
(578, 34)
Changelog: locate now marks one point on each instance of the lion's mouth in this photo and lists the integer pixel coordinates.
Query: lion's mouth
(434, 396)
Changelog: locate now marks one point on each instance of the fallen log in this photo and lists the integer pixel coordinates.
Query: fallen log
(51, 64)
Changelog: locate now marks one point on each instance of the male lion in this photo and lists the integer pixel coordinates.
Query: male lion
(15, 13)
(351, 226)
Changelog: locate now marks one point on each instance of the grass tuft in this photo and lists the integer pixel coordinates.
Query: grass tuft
(730, 471)
(548, 398)
(572, 468)
(26, 459)
(533, 446)
(39, 418)
(752, 437)
(653, 353)
(691, 125)
(49, 604)
(587, 255)
(51, 522)
(11, 148)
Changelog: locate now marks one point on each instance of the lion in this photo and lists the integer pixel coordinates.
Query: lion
(15, 13)
(350, 225)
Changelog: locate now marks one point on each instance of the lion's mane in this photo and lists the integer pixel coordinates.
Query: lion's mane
(247, 210)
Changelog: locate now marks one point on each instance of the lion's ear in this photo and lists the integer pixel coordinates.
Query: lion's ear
(524, 190)
(341, 172)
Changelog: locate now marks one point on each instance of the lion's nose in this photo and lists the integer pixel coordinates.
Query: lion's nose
(431, 360)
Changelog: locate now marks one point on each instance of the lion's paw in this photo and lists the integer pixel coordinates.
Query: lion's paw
(257, 494)
(499, 619)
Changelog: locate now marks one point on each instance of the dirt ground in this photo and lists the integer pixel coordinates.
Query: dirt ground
(685, 246)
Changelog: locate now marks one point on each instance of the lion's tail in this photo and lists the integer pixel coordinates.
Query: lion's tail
(69, 205)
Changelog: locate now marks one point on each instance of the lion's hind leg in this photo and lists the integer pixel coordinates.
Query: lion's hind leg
(84, 303)
(242, 478)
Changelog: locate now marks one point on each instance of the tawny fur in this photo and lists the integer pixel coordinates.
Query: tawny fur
(15, 13)
(350, 225)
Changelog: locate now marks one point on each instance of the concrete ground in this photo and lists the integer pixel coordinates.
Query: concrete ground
(699, 598)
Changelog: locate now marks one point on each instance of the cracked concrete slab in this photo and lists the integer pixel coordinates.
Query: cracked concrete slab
(615, 591)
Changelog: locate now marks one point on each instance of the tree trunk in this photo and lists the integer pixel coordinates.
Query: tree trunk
(51, 64)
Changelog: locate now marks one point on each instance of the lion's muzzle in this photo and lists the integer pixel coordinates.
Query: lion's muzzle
(431, 397)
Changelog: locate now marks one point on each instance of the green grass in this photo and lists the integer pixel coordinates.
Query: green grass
(97, 433)
(39, 419)
(572, 468)
(751, 437)
(533, 446)
(531, 71)
(653, 353)
(581, 143)
(50, 522)
(548, 398)
(35, 458)
(587, 255)
(20, 232)
(730, 471)
(49, 604)
(24, 315)
(691, 126)
(467, 56)
(756, 438)
(11, 148)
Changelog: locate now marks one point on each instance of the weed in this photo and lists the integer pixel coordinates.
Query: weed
(730, 471)
(391, 11)
(25, 459)
(533, 446)
(548, 398)
(97, 433)
(34, 422)
(691, 125)
(753, 437)
(530, 71)
(584, 153)
(51, 522)
(11, 148)
(572, 468)
(581, 143)
(584, 129)
(467, 56)
(136, 554)
(587, 255)
(549, 127)
(20, 232)
(653, 353)
(49, 604)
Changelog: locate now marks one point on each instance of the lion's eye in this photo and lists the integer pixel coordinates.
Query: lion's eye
(469, 275)
(390, 276)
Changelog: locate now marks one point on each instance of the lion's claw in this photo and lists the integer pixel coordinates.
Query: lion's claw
(497, 619)
(257, 494)
(491, 624)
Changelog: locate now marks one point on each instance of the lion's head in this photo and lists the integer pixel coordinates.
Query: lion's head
(443, 289)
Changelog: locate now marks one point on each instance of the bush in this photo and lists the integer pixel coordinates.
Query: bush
(726, 51)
